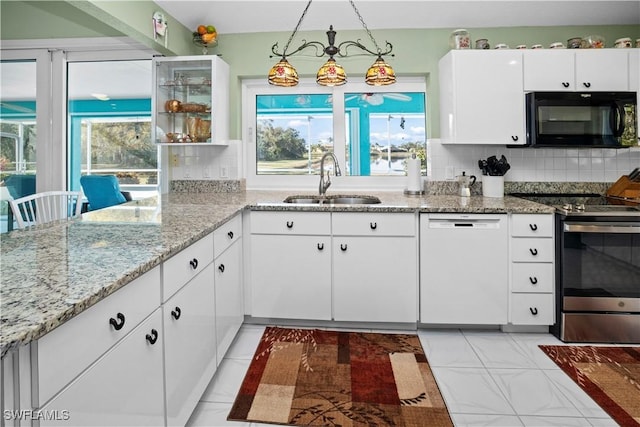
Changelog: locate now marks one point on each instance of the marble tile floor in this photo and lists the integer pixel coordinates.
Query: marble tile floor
(487, 378)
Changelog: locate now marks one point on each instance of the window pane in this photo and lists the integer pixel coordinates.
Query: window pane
(382, 131)
(17, 134)
(292, 132)
(109, 107)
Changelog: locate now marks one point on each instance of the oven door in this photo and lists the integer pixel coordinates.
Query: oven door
(600, 281)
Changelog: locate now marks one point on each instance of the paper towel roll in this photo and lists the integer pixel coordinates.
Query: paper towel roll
(414, 177)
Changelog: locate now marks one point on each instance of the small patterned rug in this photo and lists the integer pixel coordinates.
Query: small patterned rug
(311, 377)
(610, 375)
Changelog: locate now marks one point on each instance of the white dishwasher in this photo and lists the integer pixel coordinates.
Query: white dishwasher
(464, 266)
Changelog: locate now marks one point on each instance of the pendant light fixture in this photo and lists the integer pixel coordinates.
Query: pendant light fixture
(331, 73)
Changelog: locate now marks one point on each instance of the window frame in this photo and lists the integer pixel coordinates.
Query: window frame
(254, 87)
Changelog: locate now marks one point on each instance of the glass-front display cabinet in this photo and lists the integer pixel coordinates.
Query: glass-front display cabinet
(190, 100)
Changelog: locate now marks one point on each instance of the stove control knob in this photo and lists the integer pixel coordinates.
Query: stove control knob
(567, 207)
(580, 207)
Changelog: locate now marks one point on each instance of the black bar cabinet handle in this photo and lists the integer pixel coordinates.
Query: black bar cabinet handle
(343, 247)
(565, 84)
(533, 311)
(289, 224)
(221, 268)
(320, 246)
(586, 84)
(514, 137)
(534, 252)
(533, 280)
(194, 263)
(373, 225)
(153, 337)
(230, 234)
(117, 325)
(176, 312)
(533, 227)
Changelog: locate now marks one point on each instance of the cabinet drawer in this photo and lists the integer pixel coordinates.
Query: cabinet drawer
(531, 250)
(66, 351)
(532, 225)
(184, 265)
(227, 234)
(532, 277)
(532, 309)
(373, 224)
(123, 388)
(309, 223)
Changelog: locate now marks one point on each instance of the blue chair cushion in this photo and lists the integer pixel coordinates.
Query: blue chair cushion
(101, 191)
(21, 185)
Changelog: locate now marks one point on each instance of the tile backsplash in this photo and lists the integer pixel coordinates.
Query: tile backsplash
(534, 164)
(211, 162)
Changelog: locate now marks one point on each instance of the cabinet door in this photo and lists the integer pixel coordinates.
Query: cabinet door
(486, 102)
(190, 100)
(291, 277)
(229, 297)
(69, 349)
(189, 345)
(549, 70)
(123, 388)
(601, 70)
(375, 279)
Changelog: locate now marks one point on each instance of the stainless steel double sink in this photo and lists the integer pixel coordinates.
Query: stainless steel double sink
(333, 200)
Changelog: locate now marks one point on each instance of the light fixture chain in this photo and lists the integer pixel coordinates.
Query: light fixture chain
(284, 53)
(364, 26)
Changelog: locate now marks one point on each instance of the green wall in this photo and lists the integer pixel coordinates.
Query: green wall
(417, 51)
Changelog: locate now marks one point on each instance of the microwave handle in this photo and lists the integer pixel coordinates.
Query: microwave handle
(617, 120)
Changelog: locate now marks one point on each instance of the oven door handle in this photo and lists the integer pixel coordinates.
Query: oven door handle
(603, 227)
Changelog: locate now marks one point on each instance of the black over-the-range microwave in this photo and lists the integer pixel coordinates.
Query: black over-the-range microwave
(581, 119)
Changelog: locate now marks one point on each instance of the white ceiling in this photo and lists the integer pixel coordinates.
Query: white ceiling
(248, 16)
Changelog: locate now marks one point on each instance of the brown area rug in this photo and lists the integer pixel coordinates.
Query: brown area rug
(311, 377)
(610, 375)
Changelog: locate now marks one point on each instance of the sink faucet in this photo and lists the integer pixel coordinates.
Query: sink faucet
(324, 184)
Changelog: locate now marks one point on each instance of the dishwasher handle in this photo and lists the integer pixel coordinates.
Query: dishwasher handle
(482, 224)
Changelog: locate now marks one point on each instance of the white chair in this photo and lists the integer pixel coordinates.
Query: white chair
(41, 208)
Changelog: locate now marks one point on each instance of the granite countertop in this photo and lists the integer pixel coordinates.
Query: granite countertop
(52, 273)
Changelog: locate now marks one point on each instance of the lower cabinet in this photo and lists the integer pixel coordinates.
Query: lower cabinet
(375, 275)
(356, 266)
(229, 308)
(291, 276)
(532, 269)
(123, 388)
(189, 345)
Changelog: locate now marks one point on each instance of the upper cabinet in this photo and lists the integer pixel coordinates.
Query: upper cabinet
(190, 100)
(571, 70)
(482, 97)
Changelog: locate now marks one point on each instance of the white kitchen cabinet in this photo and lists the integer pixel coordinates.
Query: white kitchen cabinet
(186, 264)
(123, 388)
(229, 308)
(598, 70)
(190, 100)
(65, 352)
(481, 97)
(464, 263)
(532, 269)
(291, 265)
(375, 278)
(189, 345)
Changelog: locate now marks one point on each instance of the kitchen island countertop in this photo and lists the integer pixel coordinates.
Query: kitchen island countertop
(51, 273)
